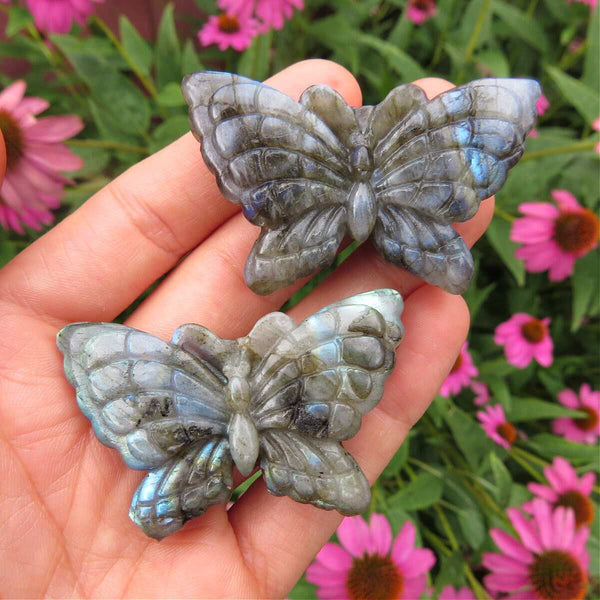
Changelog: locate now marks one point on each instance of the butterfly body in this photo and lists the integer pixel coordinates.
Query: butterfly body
(282, 397)
(399, 173)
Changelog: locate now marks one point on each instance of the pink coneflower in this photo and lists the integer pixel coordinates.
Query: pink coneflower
(554, 238)
(449, 593)
(368, 565)
(481, 391)
(57, 16)
(585, 429)
(273, 13)
(34, 156)
(229, 30)
(549, 562)
(596, 127)
(460, 375)
(496, 426)
(567, 490)
(419, 11)
(524, 338)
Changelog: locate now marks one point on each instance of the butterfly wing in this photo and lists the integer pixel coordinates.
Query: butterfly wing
(183, 488)
(286, 165)
(321, 376)
(312, 470)
(434, 163)
(145, 397)
(312, 386)
(282, 255)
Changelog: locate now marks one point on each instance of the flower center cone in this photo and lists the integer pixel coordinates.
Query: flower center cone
(374, 577)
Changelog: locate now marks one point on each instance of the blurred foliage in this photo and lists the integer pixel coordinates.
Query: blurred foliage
(448, 478)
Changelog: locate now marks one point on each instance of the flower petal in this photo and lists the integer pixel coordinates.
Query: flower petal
(354, 535)
(565, 200)
(543, 491)
(404, 544)
(318, 574)
(12, 95)
(413, 588)
(501, 563)
(381, 534)
(418, 562)
(505, 582)
(54, 129)
(525, 530)
(334, 557)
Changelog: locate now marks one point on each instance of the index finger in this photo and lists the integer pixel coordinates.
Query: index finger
(137, 228)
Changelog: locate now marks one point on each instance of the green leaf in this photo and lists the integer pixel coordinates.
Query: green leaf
(398, 60)
(190, 63)
(254, 62)
(334, 32)
(420, 493)
(303, 590)
(586, 287)
(135, 46)
(94, 161)
(170, 95)
(472, 526)
(468, 435)
(533, 409)
(502, 479)
(398, 461)
(551, 381)
(495, 63)
(475, 297)
(582, 97)
(498, 235)
(397, 517)
(500, 391)
(112, 92)
(18, 18)
(549, 446)
(167, 52)
(451, 568)
(591, 66)
(496, 368)
(168, 131)
(522, 25)
(8, 250)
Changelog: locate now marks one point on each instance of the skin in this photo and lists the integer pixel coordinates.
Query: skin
(64, 496)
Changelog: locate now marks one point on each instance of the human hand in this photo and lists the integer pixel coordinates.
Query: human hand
(64, 496)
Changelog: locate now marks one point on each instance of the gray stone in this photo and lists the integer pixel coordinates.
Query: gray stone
(401, 172)
(283, 397)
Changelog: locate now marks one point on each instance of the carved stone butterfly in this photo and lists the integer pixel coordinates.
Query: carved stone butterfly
(400, 172)
(283, 396)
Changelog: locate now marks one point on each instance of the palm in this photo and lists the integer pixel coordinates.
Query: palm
(64, 496)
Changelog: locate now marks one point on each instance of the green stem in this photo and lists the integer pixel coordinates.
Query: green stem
(577, 147)
(109, 145)
(502, 213)
(532, 457)
(479, 590)
(473, 39)
(446, 526)
(425, 466)
(145, 81)
(435, 541)
(531, 8)
(513, 453)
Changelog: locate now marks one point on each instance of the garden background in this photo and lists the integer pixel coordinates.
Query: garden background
(119, 69)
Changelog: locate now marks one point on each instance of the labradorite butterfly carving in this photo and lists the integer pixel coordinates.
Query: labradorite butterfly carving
(284, 397)
(313, 171)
